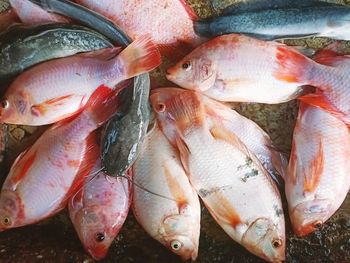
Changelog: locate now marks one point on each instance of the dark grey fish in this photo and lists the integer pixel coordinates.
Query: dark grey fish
(24, 46)
(124, 133)
(277, 19)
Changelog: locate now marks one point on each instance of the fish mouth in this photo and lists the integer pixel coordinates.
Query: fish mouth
(98, 252)
(310, 216)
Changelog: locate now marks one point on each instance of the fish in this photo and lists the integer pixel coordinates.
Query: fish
(99, 210)
(164, 202)
(234, 186)
(331, 80)
(169, 22)
(119, 149)
(317, 179)
(254, 137)
(226, 69)
(56, 89)
(7, 19)
(281, 19)
(31, 14)
(21, 44)
(44, 177)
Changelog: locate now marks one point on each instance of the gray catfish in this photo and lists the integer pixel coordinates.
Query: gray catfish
(24, 46)
(279, 19)
(124, 134)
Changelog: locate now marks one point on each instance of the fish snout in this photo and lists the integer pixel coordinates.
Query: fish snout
(266, 240)
(309, 216)
(98, 252)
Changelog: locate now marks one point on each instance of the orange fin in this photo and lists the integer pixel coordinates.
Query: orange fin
(23, 166)
(313, 174)
(187, 110)
(320, 101)
(220, 208)
(291, 65)
(332, 61)
(191, 13)
(292, 166)
(103, 104)
(174, 186)
(140, 56)
(184, 153)
(42, 108)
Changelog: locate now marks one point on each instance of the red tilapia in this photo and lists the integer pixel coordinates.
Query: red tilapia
(318, 177)
(43, 178)
(7, 18)
(51, 91)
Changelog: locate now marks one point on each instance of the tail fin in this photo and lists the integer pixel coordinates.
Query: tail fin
(293, 67)
(102, 104)
(202, 28)
(140, 56)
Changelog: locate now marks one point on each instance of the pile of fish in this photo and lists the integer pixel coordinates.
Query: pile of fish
(189, 144)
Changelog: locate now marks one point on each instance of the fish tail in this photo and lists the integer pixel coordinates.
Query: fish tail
(140, 56)
(202, 28)
(293, 67)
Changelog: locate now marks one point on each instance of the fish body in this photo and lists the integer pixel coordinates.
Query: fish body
(25, 46)
(282, 22)
(43, 178)
(226, 69)
(170, 213)
(31, 14)
(234, 186)
(57, 89)
(99, 210)
(169, 22)
(318, 178)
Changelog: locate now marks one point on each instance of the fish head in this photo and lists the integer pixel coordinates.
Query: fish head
(180, 234)
(96, 230)
(11, 210)
(160, 100)
(195, 71)
(266, 239)
(15, 108)
(310, 215)
(178, 111)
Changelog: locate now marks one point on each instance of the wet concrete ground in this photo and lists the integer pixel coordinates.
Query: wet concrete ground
(54, 240)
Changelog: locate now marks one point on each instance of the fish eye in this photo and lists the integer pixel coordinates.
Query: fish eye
(187, 66)
(6, 221)
(160, 107)
(100, 237)
(5, 103)
(276, 243)
(318, 224)
(176, 245)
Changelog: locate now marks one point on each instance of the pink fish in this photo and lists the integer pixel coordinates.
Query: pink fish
(318, 178)
(98, 211)
(43, 178)
(173, 216)
(231, 181)
(168, 22)
(31, 14)
(56, 89)
(243, 69)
